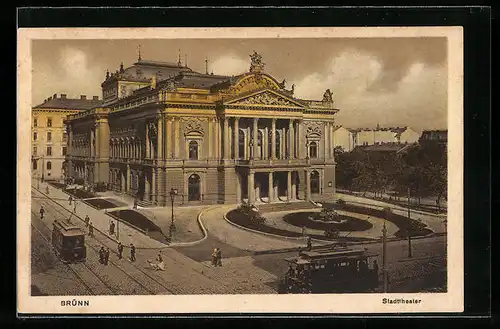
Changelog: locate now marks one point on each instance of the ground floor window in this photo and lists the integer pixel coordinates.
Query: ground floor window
(314, 182)
(194, 188)
(35, 164)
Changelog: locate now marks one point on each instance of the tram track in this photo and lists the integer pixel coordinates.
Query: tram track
(96, 288)
(148, 284)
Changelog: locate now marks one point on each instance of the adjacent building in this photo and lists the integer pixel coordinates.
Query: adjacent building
(213, 138)
(435, 136)
(48, 133)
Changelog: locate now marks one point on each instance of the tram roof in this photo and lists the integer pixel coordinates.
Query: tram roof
(67, 229)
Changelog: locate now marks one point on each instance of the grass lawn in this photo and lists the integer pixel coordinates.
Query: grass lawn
(406, 226)
(244, 220)
(301, 219)
(80, 194)
(101, 203)
(136, 219)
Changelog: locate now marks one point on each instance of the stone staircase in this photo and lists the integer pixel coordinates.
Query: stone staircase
(286, 206)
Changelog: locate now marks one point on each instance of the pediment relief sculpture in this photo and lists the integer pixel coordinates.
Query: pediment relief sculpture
(313, 128)
(265, 98)
(193, 124)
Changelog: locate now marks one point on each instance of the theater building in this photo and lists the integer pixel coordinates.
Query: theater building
(216, 139)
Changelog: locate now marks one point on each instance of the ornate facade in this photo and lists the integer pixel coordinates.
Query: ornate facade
(217, 139)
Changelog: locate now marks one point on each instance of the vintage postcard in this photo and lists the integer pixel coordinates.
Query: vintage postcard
(294, 170)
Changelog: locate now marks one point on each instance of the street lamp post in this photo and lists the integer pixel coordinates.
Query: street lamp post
(173, 193)
(410, 226)
(43, 167)
(384, 256)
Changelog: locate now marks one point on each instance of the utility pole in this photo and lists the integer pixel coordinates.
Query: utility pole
(410, 225)
(384, 256)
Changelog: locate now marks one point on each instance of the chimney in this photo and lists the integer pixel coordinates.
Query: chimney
(63, 96)
(55, 96)
(96, 98)
(83, 96)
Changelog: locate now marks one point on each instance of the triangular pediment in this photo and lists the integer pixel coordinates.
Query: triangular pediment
(267, 98)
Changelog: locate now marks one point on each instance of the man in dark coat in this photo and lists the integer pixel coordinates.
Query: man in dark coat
(106, 256)
(120, 250)
(132, 252)
(91, 229)
(87, 220)
(42, 211)
(101, 255)
(112, 228)
(70, 199)
(219, 257)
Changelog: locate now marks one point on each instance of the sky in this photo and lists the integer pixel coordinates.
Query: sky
(385, 81)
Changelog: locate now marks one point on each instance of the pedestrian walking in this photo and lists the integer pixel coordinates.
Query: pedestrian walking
(70, 199)
(214, 257)
(135, 203)
(112, 228)
(42, 211)
(219, 257)
(132, 253)
(106, 256)
(47, 190)
(101, 255)
(309, 243)
(91, 229)
(375, 266)
(87, 220)
(74, 207)
(120, 250)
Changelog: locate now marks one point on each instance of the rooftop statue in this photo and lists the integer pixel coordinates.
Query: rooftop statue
(256, 64)
(328, 96)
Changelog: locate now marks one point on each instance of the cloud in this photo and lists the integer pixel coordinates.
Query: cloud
(417, 98)
(229, 65)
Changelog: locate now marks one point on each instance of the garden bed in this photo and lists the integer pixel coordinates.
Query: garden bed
(242, 219)
(406, 226)
(80, 194)
(136, 219)
(101, 203)
(301, 219)
(57, 185)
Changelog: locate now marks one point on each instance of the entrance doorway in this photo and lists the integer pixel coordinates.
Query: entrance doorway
(194, 188)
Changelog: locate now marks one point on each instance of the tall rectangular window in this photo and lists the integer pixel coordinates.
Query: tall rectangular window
(49, 150)
(49, 136)
(35, 122)
(49, 122)
(35, 136)
(64, 150)
(35, 150)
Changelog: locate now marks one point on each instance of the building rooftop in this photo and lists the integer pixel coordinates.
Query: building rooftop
(62, 102)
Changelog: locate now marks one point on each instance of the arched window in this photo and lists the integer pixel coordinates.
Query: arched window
(193, 150)
(35, 164)
(313, 150)
(49, 165)
(314, 182)
(194, 188)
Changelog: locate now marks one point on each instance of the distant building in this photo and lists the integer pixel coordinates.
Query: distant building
(349, 138)
(388, 148)
(48, 133)
(439, 136)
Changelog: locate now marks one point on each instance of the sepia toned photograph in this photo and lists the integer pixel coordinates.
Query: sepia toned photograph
(211, 170)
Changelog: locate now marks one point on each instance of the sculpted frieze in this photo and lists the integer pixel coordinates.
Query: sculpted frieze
(193, 124)
(266, 98)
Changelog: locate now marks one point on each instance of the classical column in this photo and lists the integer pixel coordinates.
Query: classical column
(273, 139)
(270, 188)
(326, 136)
(255, 133)
(292, 140)
(168, 139)
(236, 138)
(251, 189)
(122, 182)
(128, 178)
(176, 137)
(332, 141)
(146, 186)
(147, 141)
(210, 139)
(289, 185)
(159, 138)
(226, 138)
(218, 138)
(308, 186)
(265, 143)
(294, 186)
(297, 139)
(153, 185)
